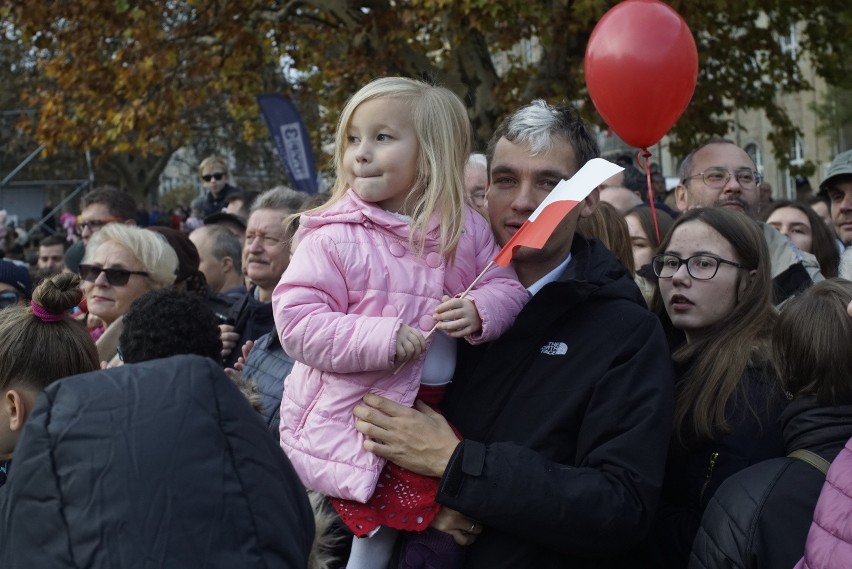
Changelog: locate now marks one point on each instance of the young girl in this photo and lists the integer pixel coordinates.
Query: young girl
(715, 287)
(376, 268)
(39, 343)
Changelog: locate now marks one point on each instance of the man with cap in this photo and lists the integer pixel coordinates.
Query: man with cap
(15, 284)
(837, 185)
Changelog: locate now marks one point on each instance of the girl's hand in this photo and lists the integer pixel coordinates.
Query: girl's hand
(410, 343)
(458, 317)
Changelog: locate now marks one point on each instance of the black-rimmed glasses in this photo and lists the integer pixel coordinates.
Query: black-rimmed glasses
(115, 277)
(95, 224)
(214, 176)
(717, 178)
(701, 267)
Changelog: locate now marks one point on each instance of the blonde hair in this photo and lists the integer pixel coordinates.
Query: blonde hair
(443, 138)
(214, 160)
(150, 248)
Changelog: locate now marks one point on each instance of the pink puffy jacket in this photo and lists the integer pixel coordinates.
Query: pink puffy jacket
(350, 286)
(829, 544)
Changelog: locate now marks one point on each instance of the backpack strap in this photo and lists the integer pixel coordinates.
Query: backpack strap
(811, 458)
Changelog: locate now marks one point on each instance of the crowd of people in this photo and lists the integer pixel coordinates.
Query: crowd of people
(348, 380)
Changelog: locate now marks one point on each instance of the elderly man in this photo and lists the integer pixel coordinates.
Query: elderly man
(476, 180)
(838, 187)
(721, 174)
(266, 253)
(567, 417)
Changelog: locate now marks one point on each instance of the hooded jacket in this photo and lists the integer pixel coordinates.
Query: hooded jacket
(157, 464)
(566, 419)
(760, 516)
(352, 283)
(829, 542)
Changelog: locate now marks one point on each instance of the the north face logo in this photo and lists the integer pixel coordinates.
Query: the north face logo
(554, 349)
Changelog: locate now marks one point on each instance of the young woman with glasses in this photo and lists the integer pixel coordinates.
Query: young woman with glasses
(715, 288)
(122, 262)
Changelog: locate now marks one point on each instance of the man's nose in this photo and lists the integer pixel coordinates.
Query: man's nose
(524, 199)
(732, 185)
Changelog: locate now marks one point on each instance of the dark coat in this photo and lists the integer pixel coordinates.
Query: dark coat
(157, 464)
(566, 420)
(214, 204)
(252, 319)
(267, 366)
(695, 469)
(760, 517)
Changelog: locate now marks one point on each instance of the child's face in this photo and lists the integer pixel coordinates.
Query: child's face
(380, 159)
(213, 178)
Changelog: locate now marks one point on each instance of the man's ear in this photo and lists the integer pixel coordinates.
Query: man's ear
(680, 197)
(227, 264)
(590, 204)
(487, 191)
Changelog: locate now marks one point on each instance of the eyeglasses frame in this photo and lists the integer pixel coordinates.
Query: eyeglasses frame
(719, 260)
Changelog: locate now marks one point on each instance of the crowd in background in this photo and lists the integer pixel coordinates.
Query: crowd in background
(662, 384)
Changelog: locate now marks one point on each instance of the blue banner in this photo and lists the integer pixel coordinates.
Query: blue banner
(291, 140)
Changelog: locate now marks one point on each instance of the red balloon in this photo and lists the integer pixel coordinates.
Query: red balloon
(641, 69)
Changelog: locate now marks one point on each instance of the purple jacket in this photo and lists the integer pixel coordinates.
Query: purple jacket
(829, 544)
(352, 283)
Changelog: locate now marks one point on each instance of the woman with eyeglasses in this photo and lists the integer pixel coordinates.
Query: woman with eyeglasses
(715, 289)
(123, 262)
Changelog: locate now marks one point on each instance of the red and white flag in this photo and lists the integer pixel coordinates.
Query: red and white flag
(563, 198)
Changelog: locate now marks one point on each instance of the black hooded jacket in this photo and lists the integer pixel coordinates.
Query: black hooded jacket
(566, 420)
(760, 516)
(159, 464)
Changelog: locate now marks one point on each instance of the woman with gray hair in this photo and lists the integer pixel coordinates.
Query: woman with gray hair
(122, 262)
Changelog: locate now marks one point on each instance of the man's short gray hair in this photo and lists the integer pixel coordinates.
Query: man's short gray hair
(535, 125)
(280, 197)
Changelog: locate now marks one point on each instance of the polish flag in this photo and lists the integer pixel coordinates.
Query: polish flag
(536, 230)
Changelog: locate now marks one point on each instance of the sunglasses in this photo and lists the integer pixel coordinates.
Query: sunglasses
(115, 277)
(9, 298)
(215, 176)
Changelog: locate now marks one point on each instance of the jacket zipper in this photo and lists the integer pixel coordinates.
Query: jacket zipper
(713, 458)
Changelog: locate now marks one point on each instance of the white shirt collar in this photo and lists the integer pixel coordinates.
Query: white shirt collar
(549, 277)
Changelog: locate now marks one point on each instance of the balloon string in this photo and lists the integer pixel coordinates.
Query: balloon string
(647, 156)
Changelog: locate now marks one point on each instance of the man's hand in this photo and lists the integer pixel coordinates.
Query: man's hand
(410, 343)
(464, 530)
(458, 317)
(229, 339)
(418, 439)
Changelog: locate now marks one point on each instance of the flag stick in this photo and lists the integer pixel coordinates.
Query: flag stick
(462, 295)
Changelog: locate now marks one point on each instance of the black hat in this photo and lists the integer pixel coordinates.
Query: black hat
(214, 218)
